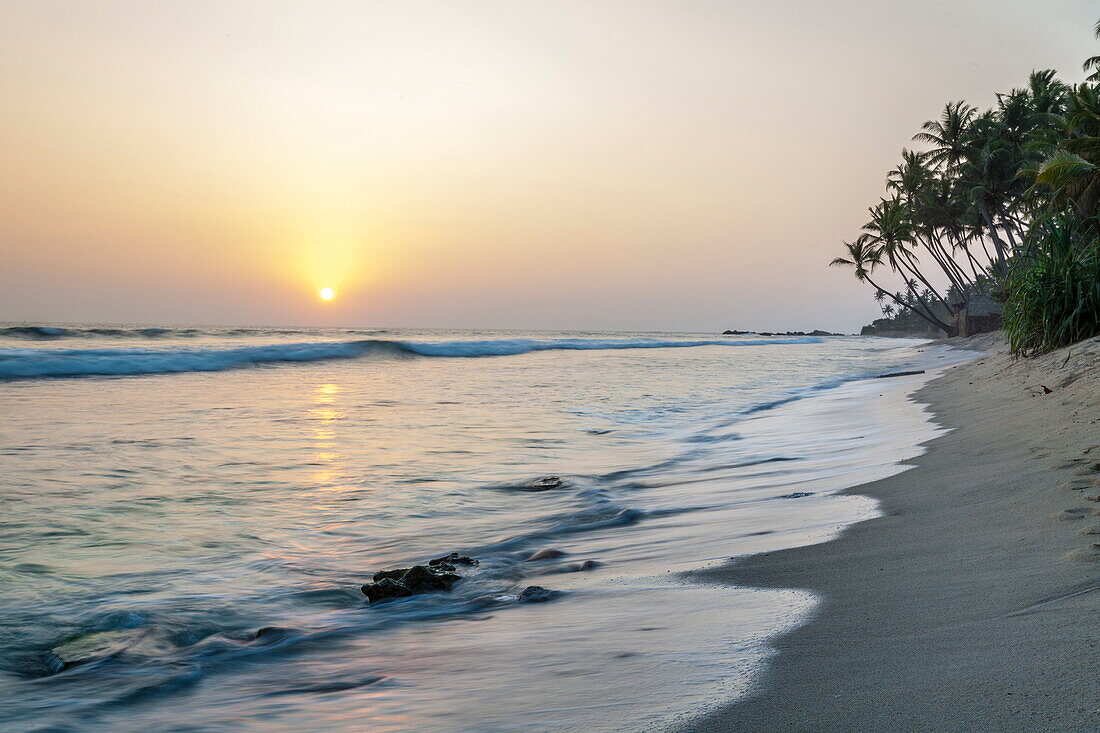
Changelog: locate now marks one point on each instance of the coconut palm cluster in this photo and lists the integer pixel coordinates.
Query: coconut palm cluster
(1000, 202)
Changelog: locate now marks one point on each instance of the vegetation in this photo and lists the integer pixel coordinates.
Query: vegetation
(1001, 202)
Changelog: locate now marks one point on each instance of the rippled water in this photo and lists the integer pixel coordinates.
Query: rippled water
(153, 523)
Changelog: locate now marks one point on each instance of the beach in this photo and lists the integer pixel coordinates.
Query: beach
(971, 603)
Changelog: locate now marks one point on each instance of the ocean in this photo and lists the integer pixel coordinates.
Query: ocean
(188, 515)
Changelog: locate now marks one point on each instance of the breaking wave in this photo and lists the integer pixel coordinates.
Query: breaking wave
(23, 363)
(53, 333)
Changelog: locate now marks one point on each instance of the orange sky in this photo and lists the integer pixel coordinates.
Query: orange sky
(627, 165)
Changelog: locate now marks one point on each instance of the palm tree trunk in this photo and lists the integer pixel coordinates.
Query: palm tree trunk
(916, 272)
(963, 280)
(1002, 266)
(931, 319)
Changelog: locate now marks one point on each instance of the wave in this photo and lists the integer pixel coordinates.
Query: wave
(51, 333)
(23, 363)
(59, 332)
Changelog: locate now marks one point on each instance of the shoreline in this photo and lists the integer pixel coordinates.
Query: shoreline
(970, 603)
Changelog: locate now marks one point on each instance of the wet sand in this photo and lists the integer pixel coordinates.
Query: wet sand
(972, 604)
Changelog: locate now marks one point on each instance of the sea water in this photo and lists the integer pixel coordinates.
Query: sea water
(168, 493)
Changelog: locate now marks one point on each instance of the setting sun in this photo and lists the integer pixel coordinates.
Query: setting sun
(327, 293)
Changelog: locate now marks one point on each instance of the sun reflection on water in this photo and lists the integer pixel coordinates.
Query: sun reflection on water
(325, 415)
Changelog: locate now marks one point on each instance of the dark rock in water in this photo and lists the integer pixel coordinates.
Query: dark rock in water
(422, 579)
(537, 594)
(437, 575)
(547, 554)
(815, 332)
(797, 495)
(546, 483)
(391, 574)
(580, 567)
(384, 590)
(453, 559)
(899, 374)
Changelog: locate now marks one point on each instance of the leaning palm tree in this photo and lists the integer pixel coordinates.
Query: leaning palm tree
(1093, 64)
(890, 230)
(865, 257)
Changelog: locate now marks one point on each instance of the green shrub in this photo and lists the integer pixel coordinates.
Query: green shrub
(1054, 286)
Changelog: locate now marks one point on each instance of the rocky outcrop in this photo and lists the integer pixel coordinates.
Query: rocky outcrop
(438, 575)
(537, 594)
(453, 559)
(816, 332)
(586, 565)
(546, 483)
(549, 553)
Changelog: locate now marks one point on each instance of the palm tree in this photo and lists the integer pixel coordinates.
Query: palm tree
(978, 199)
(890, 230)
(1072, 172)
(1093, 64)
(865, 257)
(948, 135)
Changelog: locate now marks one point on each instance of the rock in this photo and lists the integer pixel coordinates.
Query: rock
(453, 559)
(543, 483)
(384, 590)
(815, 332)
(391, 574)
(537, 594)
(422, 579)
(580, 567)
(797, 495)
(547, 554)
(1068, 514)
(437, 575)
(546, 483)
(1094, 529)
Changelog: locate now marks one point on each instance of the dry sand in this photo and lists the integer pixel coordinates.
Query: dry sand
(974, 603)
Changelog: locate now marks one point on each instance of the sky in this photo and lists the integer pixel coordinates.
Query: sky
(669, 166)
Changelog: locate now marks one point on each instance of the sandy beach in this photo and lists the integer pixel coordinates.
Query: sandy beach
(971, 604)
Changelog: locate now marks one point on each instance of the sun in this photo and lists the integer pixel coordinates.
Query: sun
(327, 293)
